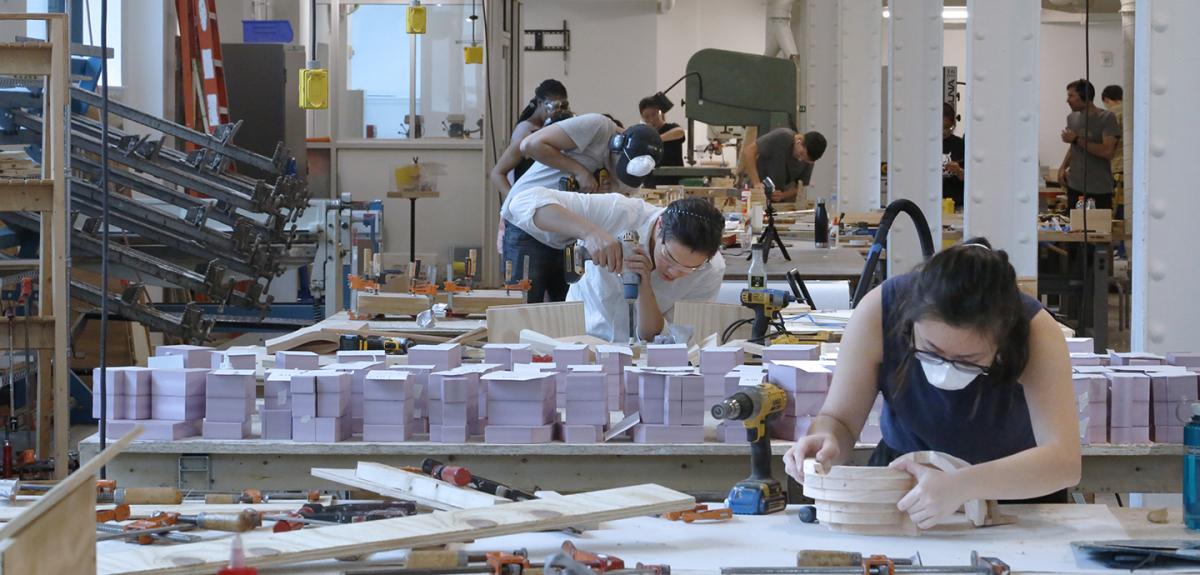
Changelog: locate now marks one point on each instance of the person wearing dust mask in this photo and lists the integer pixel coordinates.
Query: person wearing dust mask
(967, 365)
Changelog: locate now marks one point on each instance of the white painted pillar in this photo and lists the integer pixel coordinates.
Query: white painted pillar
(144, 58)
(1002, 128)
(820, 34)
(1127, 27)
(1166, 76)
(859, 105)
(914, 124)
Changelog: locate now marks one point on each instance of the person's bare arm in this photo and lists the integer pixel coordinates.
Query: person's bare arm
(547, 146)
(676, 133)
(750, 157)
(835, 430)
(1062, 169)
(507, 162)
(788, 194)
(603, 247)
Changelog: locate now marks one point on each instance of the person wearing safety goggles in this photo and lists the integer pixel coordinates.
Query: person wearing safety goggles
(573, 149)
(967, 365)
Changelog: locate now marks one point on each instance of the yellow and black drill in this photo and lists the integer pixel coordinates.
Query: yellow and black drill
(759, 494)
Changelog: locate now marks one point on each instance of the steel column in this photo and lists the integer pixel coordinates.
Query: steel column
(821, 91)
(859, 105)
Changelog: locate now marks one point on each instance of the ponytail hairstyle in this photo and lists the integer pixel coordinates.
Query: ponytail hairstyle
(546, 89)
(971, 286)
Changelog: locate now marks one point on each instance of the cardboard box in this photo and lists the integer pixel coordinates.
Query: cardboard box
(1098, 220)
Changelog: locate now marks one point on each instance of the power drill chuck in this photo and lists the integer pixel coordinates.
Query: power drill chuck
(736, 408)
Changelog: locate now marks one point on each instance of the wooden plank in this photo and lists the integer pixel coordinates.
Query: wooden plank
(26, 195)
(60, 540)
(19, 265)
(401, 533)
(392, 482)
(389, 304)
(709, 318)
(560, 319)
(41, 333)
(320, 336)
(25, 58)
(479, 301)
(85, 475)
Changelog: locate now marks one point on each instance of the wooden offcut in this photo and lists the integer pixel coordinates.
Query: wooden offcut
(401, 533)
(400, 484)
(406, 304)
(708, 318)
(560, 319)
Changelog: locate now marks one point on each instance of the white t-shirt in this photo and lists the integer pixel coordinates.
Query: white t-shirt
(591, 134)
(606, 312)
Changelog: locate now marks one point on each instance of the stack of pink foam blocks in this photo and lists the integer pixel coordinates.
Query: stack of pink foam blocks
(565, 356)
(321, 406)
(276, 414)
(614, 359)
(127, 395)
(520, 406)
(1129, 407)
(1172, 394)
(229, 403)
(389, 401)
(507, 354)
(585, 397)
(807, 384)
(671, 404)
(358, 368)
(1091, 398)
(454, 406)
(738, 377)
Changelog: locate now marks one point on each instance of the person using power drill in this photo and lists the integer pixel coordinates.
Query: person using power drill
(967, 365)
(575, 148)
(677, 260)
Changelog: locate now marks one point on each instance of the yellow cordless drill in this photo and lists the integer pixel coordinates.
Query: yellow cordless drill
(759, 494)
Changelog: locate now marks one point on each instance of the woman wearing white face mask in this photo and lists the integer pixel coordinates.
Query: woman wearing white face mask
(967, 365)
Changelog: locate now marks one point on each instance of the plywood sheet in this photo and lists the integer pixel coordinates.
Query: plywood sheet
(559, 319)
(392, 482)
(711, 318)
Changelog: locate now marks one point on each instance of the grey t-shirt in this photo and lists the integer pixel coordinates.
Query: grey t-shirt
(1099, 177)
(776, 160)
(591, 133)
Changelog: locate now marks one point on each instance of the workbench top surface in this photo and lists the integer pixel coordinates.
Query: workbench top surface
(1039, 542)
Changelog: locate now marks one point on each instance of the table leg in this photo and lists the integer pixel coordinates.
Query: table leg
(412, 230)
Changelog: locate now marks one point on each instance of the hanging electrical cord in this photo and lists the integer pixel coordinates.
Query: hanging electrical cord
(103, 229)
(1087, 77)
(312, 28)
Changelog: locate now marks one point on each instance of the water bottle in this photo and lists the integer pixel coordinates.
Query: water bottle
(1191, 471)
(821, 225)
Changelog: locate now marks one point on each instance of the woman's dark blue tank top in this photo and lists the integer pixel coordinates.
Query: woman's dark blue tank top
(982, 422)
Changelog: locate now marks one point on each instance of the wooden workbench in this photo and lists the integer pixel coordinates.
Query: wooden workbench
(702, 469)
(1039, 541)
(813, 263)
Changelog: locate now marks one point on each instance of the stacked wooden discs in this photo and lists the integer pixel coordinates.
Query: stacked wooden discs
(859, 499)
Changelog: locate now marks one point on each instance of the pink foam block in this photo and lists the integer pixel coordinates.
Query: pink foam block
(507, 354)
(652, 386)
(651, 433)
(1090, 388)
(1080, 345)
(714, 386)
(166, 362)
(135, 406)
(236, 360)
(333, 382)
(689, 387)
(356, 405)
(683, 412)
(333, 404)
(1129, 414)
(1135, 358)
(666, 355)
(1129, 435)
(124, 381)
(1168, 434)
(1097, 434)
(587, 412)
(731, 433)
(1179, 387)
(720, 360)
(304, 383)
(457, 390)
(449, 433)
(583, 433)
(228, 410)
(277, 394)
(194, 355)
(442, 357)
(276, 423)
(379, 412)
(1088, 359)
(153, 429)
(331, 429)
(653, 411)
(389, 385)
(178, 382)
(804, 403)
(502, 412)
(354, 355)
(356, 426)
(1129, 387)
(1170, 414)
(571, 354)
(304, 404)
(463, 414)
(790, 428)
(1184, 359)
(297, 360)
(226, 429)
(586, 386)
(533, 389)
(800, 376)
(791, 352)
(114, 406)
(230, 384)
(392, 433)
(1097, 414)
(176, 408)
(518, 433)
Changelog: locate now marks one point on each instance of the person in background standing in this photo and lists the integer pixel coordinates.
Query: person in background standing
(1086, 169)
(954, 149)
(549, 104)
(672, 136)
(786, 157)
(1112, 97)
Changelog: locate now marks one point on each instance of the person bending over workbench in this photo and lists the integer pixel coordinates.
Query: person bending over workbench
(969, 366)
(786, 157)
(578, 148)
(678, 257)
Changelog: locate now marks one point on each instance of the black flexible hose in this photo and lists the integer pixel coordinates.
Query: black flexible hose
(881, 237)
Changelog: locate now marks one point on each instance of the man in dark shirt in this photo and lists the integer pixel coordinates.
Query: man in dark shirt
(1091, 135)
(672, 138)
(953, 150)
(786, 157)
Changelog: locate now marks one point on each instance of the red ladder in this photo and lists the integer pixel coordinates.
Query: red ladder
(205, 103)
